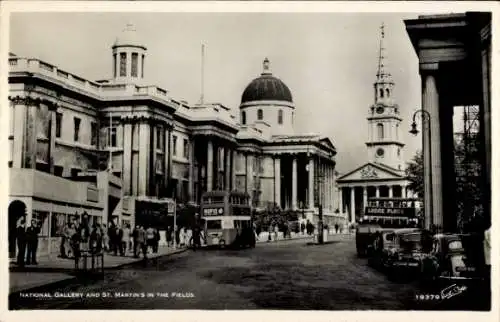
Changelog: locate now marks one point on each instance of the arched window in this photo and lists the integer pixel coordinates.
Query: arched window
(243, 117)
(388, 92)
(260, 115)
(397, 131)
(381, 91)
(280, 117)
(380, 130)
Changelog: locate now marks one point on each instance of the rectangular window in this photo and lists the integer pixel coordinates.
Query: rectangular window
(186, 149)
(42, 219)
(93, 133)
(123, 64)
(159, 138)
(114, 65)
(76, 132)
(58, 170)
(142, 66)
(58, 124)
(135, 59)
(112, 137)
(174, 145)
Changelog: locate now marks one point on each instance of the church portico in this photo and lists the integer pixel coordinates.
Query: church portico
(356, 195)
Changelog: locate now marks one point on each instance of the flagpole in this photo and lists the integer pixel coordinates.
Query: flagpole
(202, 98)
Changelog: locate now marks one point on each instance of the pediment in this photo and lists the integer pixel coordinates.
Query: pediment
(370, 171)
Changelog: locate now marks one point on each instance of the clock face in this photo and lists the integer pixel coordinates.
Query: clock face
(380, 110)
(380, 152)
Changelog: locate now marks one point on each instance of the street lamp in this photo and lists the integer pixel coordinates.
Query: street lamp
(426, 116)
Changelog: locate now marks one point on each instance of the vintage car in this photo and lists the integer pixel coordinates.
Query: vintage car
(381, 248)
(364, 237)
(386, 246)
(451, 260)
(407, 261)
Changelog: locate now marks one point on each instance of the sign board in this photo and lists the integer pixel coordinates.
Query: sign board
(227, 223)
(207, 212)
(390, 212)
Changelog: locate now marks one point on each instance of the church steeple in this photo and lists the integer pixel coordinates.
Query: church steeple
(384, 83)
(384, 140)
(382, 73)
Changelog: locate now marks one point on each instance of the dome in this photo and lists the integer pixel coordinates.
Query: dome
(266, 88)
(128, 37)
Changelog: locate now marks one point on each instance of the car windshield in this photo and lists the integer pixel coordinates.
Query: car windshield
(455, 245)
(411, 242)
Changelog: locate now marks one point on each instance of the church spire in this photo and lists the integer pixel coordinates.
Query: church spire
(382, 73)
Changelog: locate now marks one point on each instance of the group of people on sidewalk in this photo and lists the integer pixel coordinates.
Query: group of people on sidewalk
(116, 240)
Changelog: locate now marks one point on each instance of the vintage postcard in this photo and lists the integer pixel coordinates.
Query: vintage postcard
(239, 156)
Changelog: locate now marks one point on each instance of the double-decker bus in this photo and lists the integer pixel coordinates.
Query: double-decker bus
(392, 212)
(227, 219)
(383, 214)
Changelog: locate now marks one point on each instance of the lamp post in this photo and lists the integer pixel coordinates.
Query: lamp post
(426, 116)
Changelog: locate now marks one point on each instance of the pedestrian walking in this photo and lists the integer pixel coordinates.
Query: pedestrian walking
(142, 242)
(169, 236)
(302, 227)
(21, 241)
(156, 241)
(32, 242)
(276, 232)
(337, 228)
(150, 238)
(125, 240)
(105, 238)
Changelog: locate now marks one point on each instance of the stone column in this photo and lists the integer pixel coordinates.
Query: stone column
(227, 170)
(294, 182)
(377, 192)
(168, 157)
(390, 192)
(310, 183)
(210, 165)
(249, 176)
(341, 200)
(365, 197)
(144, 146)
(277, 181)
(127, 159)
(233, 172)
(353, 206)
(192, 150)
(20, 117)
(432, 151)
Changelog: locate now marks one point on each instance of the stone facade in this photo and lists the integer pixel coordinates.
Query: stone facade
(135, 143)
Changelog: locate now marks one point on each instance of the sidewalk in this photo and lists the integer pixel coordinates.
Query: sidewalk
(55, 269)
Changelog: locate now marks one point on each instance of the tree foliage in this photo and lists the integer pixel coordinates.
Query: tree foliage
(415, 174)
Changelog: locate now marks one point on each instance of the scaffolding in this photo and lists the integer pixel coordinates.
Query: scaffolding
(468, 167)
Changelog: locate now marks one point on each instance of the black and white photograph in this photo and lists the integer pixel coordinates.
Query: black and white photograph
(248, 160)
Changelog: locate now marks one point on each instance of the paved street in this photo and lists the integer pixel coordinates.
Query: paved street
(282, 275)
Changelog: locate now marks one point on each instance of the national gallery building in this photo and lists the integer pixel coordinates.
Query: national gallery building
(117, 148)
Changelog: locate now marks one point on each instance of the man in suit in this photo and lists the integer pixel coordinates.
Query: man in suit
(32, 242)
(21, 241)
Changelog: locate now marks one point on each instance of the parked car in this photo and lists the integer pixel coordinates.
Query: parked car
(450, 262)
(382, 247)
(408, 260)
(364, 237)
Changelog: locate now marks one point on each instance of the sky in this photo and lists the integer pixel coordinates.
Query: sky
(328, 60)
